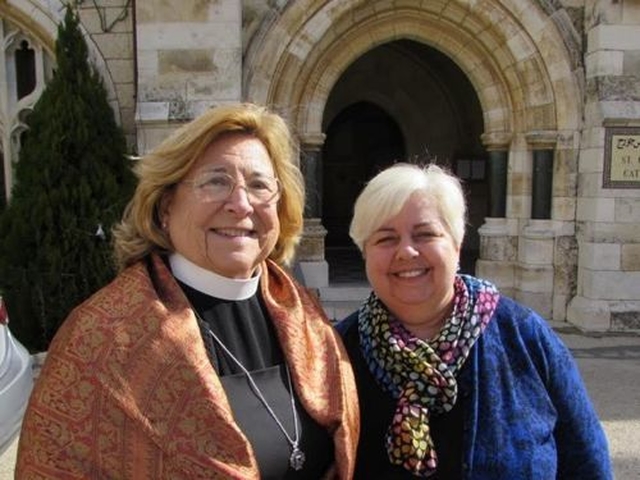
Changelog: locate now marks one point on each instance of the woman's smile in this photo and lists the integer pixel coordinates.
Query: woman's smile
(416, 272)
(234, 232)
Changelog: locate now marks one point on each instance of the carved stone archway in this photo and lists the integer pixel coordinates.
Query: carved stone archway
(522, 59)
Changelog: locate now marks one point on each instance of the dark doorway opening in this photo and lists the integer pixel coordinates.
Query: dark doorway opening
(361, 140)
(407, 101)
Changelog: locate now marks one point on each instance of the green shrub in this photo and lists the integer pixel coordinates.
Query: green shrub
(71, 184)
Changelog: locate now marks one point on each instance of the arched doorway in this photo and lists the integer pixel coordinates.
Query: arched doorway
(401, 101)
(524, 71)
(361, 140)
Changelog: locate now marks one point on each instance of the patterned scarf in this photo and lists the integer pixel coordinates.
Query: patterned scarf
(421, 375)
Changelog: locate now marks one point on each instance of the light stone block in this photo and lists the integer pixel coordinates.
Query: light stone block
(599, 256)
(126, 95)
(498, 248)
(559, 304)
(519, 156)
(596, 209)
(601, 63)
(628, 210)
(520, 183)
(534, 279)
(591, 160)
(520, 46)
(94, 19)
(609, 232)
(147, 63)
(519, 206)
(122, 70)
(563, 208)
(589, 314)
(152, 111)
(590, 185)
(538, 302)
(613, 37)
(593, 137)
(312, 274)
(169, 36)
(630, 257)
(500, 273)
(618, 109)
(608, 285)
(115, 45)
(631, 12)
(226, 11)
(194, 60)
(535, 250)
(499, 227)
(150, 135)
(631, 63)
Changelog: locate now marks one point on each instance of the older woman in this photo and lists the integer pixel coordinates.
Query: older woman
(195, 361)
(455, 380)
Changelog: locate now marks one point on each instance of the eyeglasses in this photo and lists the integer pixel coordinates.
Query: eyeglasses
(211, 186)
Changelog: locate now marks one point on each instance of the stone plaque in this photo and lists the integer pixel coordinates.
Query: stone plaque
(622, 158)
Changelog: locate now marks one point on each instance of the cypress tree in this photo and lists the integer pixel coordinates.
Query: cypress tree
(71, 184)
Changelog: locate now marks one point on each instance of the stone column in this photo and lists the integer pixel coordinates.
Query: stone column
(311, 268)
(310, 157)
(536, 245)
(498, 235)
(498, 183)
(542, 144)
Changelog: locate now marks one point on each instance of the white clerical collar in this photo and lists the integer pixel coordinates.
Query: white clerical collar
(211, 283)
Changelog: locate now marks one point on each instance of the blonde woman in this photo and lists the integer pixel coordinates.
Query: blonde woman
(203, 358)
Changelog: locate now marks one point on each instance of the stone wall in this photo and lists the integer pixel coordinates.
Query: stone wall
(109, 24)
(189, 59)
(608, 219)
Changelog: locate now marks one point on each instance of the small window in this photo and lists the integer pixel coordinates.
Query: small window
(25, 58)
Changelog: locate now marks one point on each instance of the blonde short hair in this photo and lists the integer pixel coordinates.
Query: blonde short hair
(140, 232)
(386, 193)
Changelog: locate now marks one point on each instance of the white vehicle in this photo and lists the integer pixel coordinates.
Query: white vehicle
(16, 381)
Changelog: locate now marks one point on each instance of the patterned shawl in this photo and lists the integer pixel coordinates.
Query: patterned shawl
(127, 390)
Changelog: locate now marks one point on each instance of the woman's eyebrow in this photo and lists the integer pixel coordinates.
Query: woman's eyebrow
(428, 223)
(384, 230)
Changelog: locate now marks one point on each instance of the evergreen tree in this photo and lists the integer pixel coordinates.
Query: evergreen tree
(72, 182)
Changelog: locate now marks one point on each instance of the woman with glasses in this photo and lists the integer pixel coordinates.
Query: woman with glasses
(203, 358)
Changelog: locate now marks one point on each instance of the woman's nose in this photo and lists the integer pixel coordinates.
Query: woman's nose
(407, 250)
(238, 201)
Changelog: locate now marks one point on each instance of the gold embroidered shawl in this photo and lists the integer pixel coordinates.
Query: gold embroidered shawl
(127, 390)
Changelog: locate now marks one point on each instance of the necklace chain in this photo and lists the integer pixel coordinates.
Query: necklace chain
(297, 457)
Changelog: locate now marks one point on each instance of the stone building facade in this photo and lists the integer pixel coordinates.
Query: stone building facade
(534, 103)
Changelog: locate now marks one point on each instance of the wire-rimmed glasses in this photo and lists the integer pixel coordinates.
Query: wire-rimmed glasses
(213, 186)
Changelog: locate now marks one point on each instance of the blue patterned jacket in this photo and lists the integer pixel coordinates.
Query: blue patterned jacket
(526, 413)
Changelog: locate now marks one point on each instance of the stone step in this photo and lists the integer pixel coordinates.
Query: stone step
(339, 300)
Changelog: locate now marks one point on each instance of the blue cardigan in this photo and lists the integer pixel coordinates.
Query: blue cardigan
(526, 412)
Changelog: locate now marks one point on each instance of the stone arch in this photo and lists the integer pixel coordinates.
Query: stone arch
(41, 23)
(522, 58)
(298, 56)
(32, 22)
